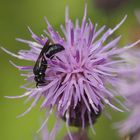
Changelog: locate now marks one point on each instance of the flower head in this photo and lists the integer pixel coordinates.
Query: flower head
(79, 79)
(130, 90)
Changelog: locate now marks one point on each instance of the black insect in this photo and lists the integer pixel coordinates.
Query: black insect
(48, 51)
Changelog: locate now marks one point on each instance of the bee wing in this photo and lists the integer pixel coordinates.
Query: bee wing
(44, 49)
(40, 57)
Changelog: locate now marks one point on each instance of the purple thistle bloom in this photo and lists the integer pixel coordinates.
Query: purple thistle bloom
(130, 90)
(79, 79)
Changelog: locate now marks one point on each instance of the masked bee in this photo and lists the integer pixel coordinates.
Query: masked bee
(48, 51)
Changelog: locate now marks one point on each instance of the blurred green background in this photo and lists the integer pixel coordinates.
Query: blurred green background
(15, 16)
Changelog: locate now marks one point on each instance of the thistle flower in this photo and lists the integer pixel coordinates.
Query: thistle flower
(131, 80)
(80, 79)
(130, 90)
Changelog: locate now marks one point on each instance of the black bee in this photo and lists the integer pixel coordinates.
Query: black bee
(48, 51)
